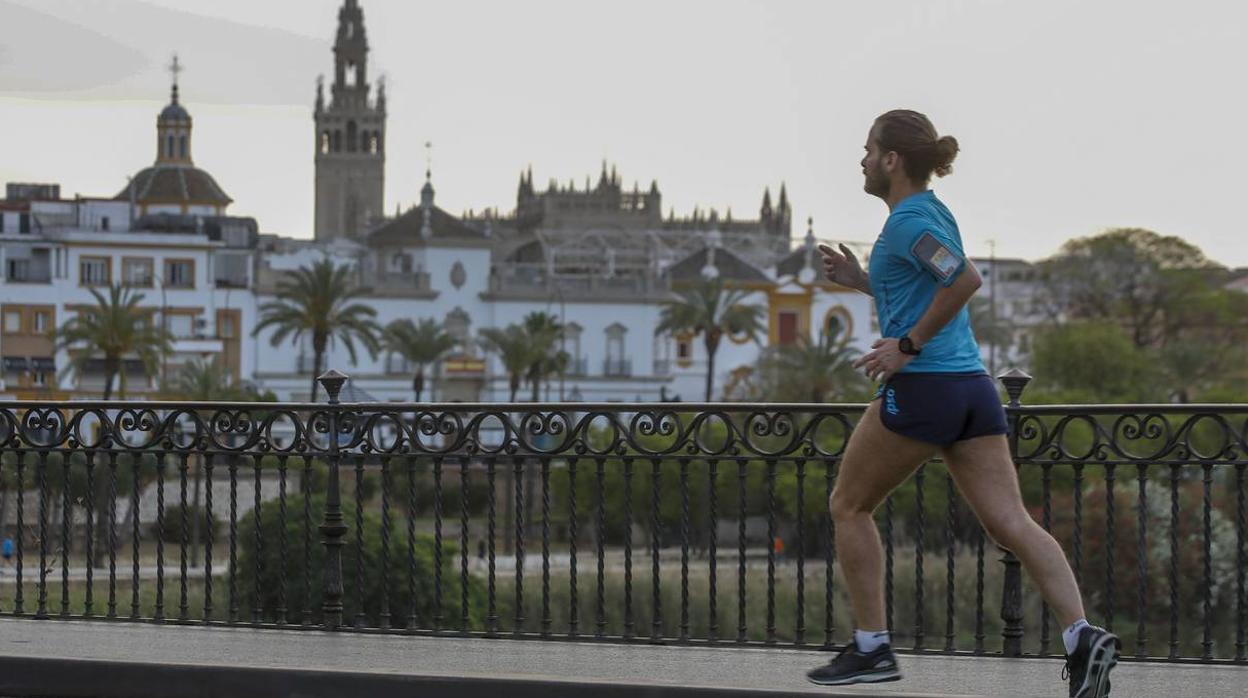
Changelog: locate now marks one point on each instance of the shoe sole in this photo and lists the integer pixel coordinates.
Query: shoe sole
(1104, 657)
(873, 677)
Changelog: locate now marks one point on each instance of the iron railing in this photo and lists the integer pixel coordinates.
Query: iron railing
(649, 522)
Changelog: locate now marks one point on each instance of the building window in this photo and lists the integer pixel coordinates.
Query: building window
(324, 142)
(337, 141)
(182, 146)
(169, 146)
(180, 273)
(838, 325)
(352, 137)
(684, 350)
(181, 325)
(457, 325)
(136, 272)
(104, 223)
(12, 322)
(1, 221)
(41, 321)
(23, 223)
(94, 271)
(788, 326)
(617, 364)
(225, 327)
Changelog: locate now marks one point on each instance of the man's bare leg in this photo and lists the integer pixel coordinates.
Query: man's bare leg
(984, 473)
(876, 461)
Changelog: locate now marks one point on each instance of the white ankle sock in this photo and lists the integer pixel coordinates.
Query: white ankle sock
(868, 641)
(1070, 636)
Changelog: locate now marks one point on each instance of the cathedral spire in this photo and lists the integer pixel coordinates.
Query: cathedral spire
(350, 135)
(765, 211)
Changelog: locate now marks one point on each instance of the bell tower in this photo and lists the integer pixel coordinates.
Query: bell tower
(350, 137)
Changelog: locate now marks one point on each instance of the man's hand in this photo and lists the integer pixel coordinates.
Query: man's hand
(843, 268)
(884, 361)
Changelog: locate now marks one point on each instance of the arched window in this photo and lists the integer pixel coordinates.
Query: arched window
(182, 146)
(169, 146)
(349, 78)
(373, 143)
(401, 263)
(325, 141)
(337, 141)
(351, 136)
(366, 137)
(838, 325)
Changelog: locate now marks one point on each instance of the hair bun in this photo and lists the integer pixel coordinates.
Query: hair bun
(946, 150)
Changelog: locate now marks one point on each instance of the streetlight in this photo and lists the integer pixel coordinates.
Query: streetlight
(164, 326)
(563, 332)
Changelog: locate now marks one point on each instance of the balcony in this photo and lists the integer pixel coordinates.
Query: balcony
(416, 284)
(617, 368)
(27, 271)
(533, 282)
(578, 366)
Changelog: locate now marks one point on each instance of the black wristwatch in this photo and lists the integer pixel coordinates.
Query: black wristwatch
(906, 345)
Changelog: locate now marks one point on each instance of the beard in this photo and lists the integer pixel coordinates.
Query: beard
(877, 182)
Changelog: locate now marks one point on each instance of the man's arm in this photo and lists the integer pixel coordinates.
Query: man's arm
(946, 304)
(886, 358)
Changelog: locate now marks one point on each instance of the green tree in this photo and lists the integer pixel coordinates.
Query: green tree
(1135, 278)
(811, 371)
(1093, 362)
(711, 310)
(544, 331)
(114, 328)
(206, 380)
(515, 349)
(321, 301)
(405, 600)
(420, 344)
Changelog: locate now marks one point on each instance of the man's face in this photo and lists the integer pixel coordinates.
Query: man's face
(876, 180)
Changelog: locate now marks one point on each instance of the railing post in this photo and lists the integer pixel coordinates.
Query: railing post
(1015, 381)
(332, 528)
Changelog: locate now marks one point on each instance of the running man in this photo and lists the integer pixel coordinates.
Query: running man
(935, 398)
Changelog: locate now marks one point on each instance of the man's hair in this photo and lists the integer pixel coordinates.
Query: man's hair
(912, 136)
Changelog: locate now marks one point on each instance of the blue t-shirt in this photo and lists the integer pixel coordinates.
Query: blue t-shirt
(918, 252)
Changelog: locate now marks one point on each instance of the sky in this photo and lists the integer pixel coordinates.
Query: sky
(1073, 116)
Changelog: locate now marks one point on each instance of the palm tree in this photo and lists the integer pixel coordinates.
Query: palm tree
(544, 331)
(321, 301)
(514, 347)
(115, 327)
(420, 344)
(712, 311)
(205, 380)
(813, 371)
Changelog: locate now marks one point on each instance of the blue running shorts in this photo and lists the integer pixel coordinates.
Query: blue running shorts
(942, 408)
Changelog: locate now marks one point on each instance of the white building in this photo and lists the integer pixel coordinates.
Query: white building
(602, 259)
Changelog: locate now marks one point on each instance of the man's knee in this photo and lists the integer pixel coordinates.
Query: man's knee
(1009, 530)
(844, 506)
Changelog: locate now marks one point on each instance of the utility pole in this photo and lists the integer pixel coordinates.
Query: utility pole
(992, 307)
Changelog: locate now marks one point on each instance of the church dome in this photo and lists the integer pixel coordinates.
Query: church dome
(174, 112)
(173, 181)
(175, 184)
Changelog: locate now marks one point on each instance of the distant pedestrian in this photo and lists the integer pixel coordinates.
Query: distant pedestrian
(6, 550)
